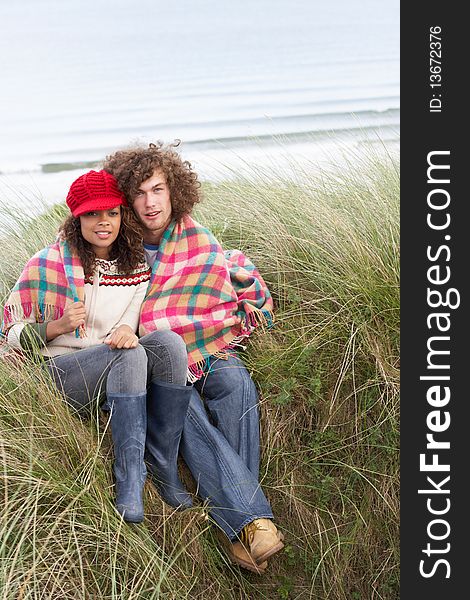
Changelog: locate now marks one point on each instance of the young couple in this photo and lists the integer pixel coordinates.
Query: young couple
(136, 306)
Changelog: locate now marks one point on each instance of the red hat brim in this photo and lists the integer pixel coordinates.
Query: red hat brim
(98, 204)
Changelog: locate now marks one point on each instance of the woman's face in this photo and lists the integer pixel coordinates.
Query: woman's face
(100, 228)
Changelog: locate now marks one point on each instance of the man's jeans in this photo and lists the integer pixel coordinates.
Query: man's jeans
(223, 455)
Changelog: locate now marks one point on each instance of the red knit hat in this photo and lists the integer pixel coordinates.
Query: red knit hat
(95, 190)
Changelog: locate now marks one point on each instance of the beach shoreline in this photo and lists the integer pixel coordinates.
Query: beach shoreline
(33, 190)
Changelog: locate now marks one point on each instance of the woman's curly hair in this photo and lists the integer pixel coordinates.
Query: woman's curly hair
(134, 165)
(127, 248)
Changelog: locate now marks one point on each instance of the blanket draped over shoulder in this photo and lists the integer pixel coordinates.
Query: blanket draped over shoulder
(212, 299)
(51, 280)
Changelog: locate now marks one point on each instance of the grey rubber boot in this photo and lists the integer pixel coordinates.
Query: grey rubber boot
(167, 405)
(128, 429)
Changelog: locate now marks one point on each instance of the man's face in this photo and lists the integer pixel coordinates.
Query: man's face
(152, 205)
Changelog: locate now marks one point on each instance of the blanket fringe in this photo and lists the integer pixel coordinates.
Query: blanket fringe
(202, 367)
(16, 313)
(256, 317)
(198, 369)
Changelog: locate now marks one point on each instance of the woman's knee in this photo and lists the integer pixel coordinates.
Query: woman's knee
(127, 372)
(168, 339)
(167, 356)
(132, 361)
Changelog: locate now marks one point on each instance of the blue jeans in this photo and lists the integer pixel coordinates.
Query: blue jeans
(223, 455)
(86, 376)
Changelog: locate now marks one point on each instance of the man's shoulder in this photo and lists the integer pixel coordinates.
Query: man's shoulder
(193, 227)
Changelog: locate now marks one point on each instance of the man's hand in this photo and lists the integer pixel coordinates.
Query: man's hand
(122, 337)
(74, 316)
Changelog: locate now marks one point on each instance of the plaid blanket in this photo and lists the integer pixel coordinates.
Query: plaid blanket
(212, 299)
(51, 280)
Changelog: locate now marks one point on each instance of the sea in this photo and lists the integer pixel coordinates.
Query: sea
(240, 83)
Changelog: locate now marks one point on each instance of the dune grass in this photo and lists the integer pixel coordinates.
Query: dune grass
(327, 245)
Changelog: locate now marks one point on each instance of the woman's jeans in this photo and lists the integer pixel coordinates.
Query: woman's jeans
(85, 377)
(223, 452)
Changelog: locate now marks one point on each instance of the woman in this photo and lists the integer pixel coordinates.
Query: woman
(78, 301)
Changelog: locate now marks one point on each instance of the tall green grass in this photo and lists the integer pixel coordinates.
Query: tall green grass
(327, 245)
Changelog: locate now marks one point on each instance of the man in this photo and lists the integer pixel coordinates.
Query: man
(213, 301)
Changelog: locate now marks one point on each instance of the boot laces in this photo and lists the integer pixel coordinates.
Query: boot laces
(247, 534)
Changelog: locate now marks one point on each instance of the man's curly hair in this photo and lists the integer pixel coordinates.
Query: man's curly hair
(127, 248)
(134, 165)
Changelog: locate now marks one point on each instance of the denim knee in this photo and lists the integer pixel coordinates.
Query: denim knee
(167, 357)
(128, 372)
(230, 381)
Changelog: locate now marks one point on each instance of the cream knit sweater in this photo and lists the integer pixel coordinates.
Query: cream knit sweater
(111, 299)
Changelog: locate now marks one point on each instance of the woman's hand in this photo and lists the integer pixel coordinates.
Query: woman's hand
(122, 337)
(74, 316)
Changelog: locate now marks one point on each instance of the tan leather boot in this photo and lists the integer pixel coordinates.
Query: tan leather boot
(240, 555)
(262, 538)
